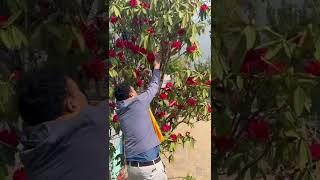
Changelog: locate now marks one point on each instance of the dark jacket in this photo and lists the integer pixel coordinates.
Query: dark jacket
(72, 149)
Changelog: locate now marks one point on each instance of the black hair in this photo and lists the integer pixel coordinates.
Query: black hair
(41, 95)
(122, 91)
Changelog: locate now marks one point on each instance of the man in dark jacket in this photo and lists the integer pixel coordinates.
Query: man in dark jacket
(64, 138)
(141, 142)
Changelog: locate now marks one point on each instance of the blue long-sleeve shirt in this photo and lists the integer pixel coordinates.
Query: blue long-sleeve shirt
(136, 124)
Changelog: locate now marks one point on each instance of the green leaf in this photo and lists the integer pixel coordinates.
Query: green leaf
(239, 54)
(287, 49)
(299, 100)
(272, 52)
(317, 49)
(145, 43)
(13, 18)
(170, 20)
(250, 34)
(304, 157)
(54, 30)
(4, 35)
(22, 37)
(239, 82)
(79, 37)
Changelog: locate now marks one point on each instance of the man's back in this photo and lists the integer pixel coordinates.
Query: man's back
(70, 149)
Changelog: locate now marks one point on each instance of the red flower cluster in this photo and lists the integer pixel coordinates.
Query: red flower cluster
(3, 20)
(209, 108)
(165, 128)
(151, 31)
(208, 83)
(254, 63)
(163, 96)
(141, 21)
(315, 151)
(192, 48)
(173, 137)
(191, 82)
(20, 174)
(259, 129)
(176, 44)
(90, 36)
(204, 7)
(192, 102)
(133, 3)
(139, 82)
(115, 118)
(312, 67)
(113, 19)
(161, 114)
(95, 69)
(172, 103)
(112, 105)
(145, 5)
(9, 138)
(111, 53)
(150, 57)
(181, 32)
(120, 55)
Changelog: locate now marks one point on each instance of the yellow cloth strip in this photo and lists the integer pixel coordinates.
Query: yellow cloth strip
(156, 127)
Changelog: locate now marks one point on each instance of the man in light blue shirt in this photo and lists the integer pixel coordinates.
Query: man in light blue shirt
(141, 144)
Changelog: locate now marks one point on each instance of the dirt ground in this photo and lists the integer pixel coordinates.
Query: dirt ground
(193, 161)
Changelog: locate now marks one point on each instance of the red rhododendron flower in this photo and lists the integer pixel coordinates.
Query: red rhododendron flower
(165, 128)
(173, 137)
(209, 108)
(191, 82)
(150, 57)
(120, 55)
(143, 50)
(133, 3)
(169, 85)
(204, 7)
(134, 39)
(95, 69)
(208, 83)
(112, 105)
(9, 137)
(172, 103)
(176, 44)
(112, 53)
(113, 19)
(115, 118)
(253, 61)
(163, 96)
(259, 129)
(312, 67)
(192, 49)
(180, 106)
(20, 174)
(161, 114)
(139, 82)
(275, 68)
(135, 49)
(192, 102)
(120, 43)
(137, 71)
(151, 31)
(90, 36)
(315, 151)
(145, 5)
(3, 20)
(16, 74)
(181, 32)
(223, 144)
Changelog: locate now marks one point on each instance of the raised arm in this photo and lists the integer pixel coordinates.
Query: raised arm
(154, 85)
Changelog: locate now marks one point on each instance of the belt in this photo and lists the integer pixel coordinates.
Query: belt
(141, 164)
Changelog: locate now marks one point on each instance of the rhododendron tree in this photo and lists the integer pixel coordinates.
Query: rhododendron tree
(67, 34)
(265, 92)
(147, 27)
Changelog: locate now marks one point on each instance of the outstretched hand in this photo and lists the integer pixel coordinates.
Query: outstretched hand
(157, 61)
